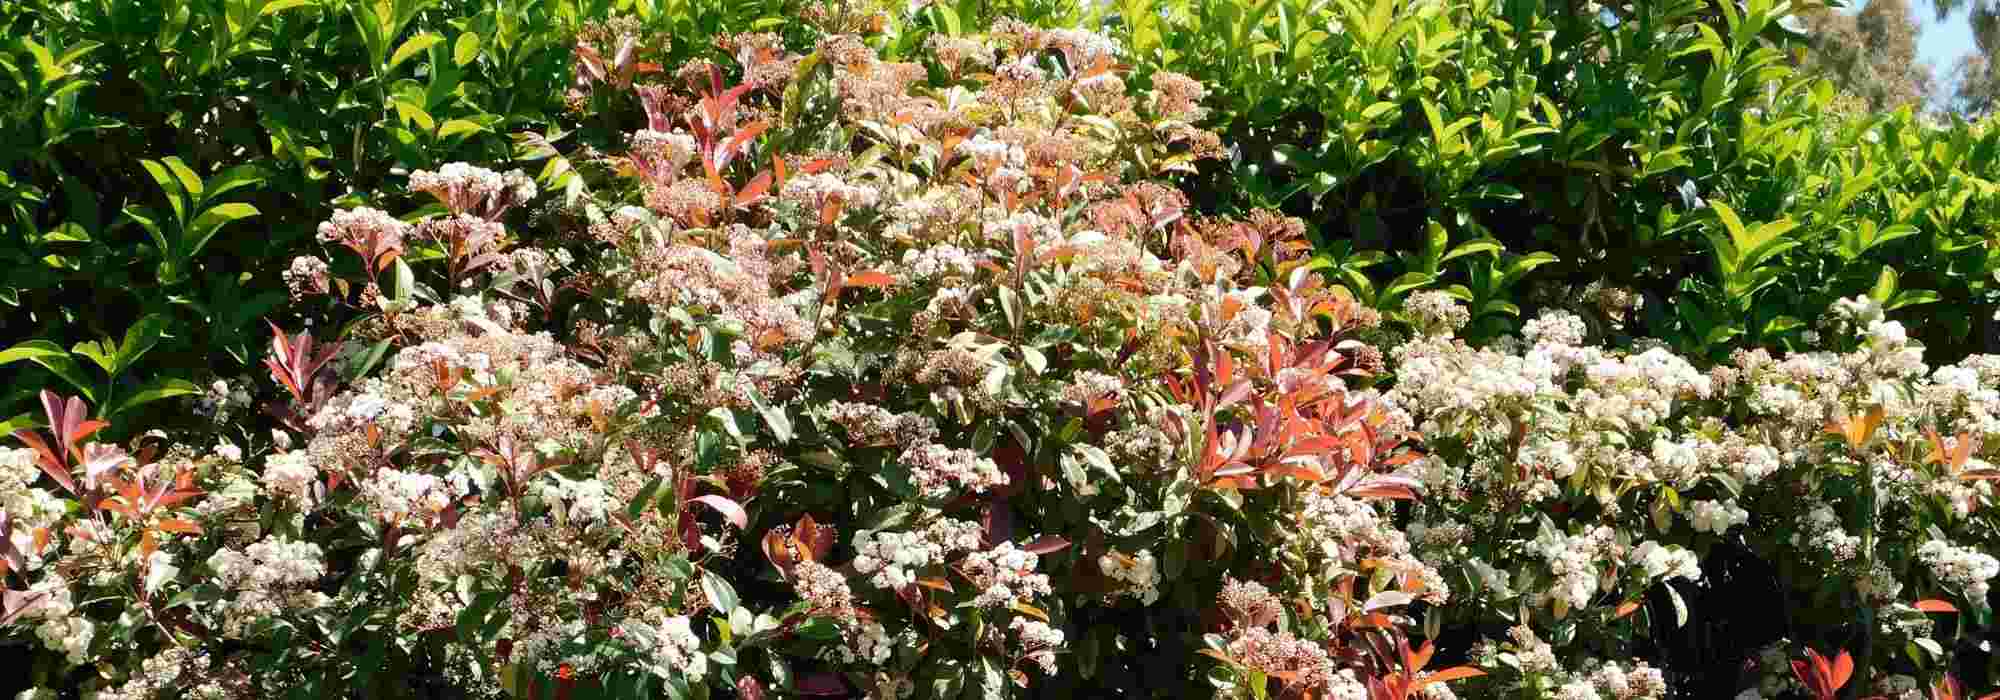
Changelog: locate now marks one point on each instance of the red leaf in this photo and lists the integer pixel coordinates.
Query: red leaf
(1843, 668)
(870, 278)
(1448, 675)
(1626, 609)
(1936, 606)
(754, 192)
(814, 540)
(185, 527)
(50, 463)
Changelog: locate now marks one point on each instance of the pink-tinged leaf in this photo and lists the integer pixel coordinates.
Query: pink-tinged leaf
(592, 61)
(1047, 544)
(738, 141)
(50, 463)
(1235, 393)
(730, 509)
(1387, 599)
(753, 192)
(1935, 606)
(14, 604)
(9, 555)
(1385, 486)
(822, 684)
(99, 460)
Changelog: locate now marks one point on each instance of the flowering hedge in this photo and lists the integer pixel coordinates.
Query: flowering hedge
(918, 379)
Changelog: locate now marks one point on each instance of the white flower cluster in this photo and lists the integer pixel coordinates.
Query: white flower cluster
(1666, 561)
(1088, 385)
(1004, 574)
(1139, 572)
(270, 578)
(1963, 568)
(1039, 640)
(28, 507)
(157, 676)
(1821, 531)
(871, 643)
(1435, 312)
(397, 494)
(680, 651)
(371, 405)
(937, 470)
(290, 476)
(816, 191)
(1558, 328)
(1640, 682)
(1498, 582)
(1716, 516)
(1574, 560)
(942, 260)
(584, 500)
(1578, 689)
(58, 626)
(893, 559)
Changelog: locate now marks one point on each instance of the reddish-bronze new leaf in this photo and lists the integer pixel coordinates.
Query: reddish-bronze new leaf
(1821, 676)
(68, 427)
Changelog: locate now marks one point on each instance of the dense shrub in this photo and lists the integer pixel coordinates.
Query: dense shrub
(160, 162)
(885, 355)
(1600, 144)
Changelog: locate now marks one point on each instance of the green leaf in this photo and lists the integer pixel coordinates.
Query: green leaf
(100, 352)
(466, 49)
(62, 365)
(774, 417)
(1911, 297)
(455, 127)
(1483, 245)
(410, 48)
(211, 222)
(239, 176)
(277, 6)
(171, 186)
(718, 591)
(1680, 606)
(1407, 282)
(365, 362)
(190, 183)
(1885, 285)
(412, 113)
(20, 422)
(139, 338)
(645, 498)
(31, 350)
(161, 388)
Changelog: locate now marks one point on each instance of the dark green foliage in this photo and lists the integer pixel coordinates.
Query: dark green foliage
(1519, 153)
(161, 163)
